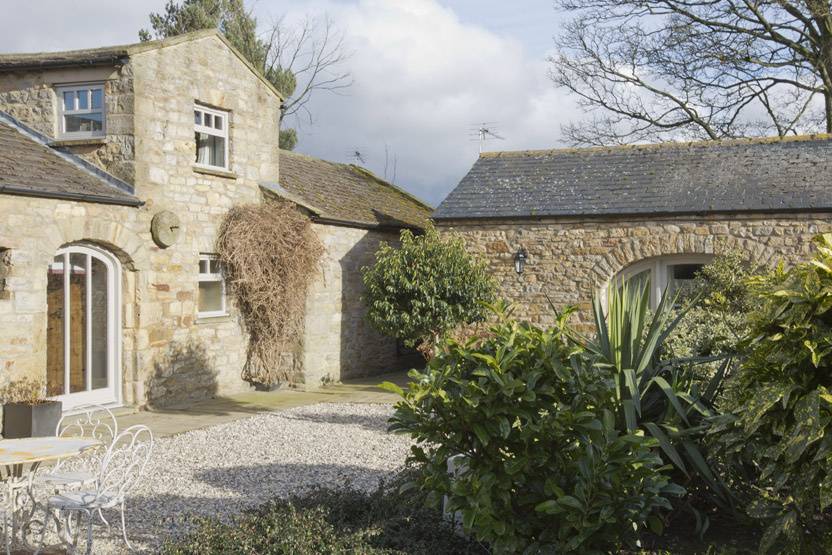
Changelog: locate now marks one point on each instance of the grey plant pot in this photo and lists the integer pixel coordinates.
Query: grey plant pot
(24, 420)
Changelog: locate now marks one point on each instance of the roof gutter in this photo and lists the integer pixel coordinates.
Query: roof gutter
(117, 60)
(97, 199)
(364, 225)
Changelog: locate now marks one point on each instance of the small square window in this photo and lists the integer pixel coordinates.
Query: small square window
(211, 299)
(211, 137)
(81, 111)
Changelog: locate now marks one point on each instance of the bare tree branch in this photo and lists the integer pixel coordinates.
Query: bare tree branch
(313, 53)
(648, 69)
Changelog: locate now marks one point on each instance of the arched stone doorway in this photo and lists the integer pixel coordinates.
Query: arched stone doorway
(83, 330)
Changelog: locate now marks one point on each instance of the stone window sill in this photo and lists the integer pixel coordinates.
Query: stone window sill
(92, 141)
(213, 319)
(215, 172)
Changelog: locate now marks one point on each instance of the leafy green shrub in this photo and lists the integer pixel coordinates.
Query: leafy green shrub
(716, 321)
(777, 440)
(424, 288)
(545, 468)
(329, 522)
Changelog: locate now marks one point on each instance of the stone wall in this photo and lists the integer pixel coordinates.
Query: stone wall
(169, 356)
(191, 357)
(339, 343)
(570, 260)
(30, 97)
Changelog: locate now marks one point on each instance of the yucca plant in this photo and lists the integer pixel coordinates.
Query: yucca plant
(659, 397)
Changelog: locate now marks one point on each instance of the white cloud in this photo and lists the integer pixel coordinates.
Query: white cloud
(45, 25)
(422, 80)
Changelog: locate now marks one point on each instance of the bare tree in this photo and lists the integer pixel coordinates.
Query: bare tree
(695, 69)
(298, 60)
(306, 58)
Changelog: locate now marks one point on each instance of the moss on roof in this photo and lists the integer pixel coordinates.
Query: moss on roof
(348, 193)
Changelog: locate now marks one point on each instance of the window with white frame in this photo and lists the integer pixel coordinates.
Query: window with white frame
(673, 273)
(211, 301)
(211, 135)
(81, 111)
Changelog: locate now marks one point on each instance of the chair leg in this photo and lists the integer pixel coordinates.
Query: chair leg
(6, 537)
(46, 518)
(103, 520)
(89, 532)
(124, 528)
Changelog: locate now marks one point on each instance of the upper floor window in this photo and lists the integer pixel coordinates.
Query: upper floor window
(211, 135)
(673, 273)
(81, 111)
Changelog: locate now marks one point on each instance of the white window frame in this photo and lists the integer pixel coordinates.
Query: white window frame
(111, 395)
(659, 267)
(62, 112)
(211, 277)
(223, 133)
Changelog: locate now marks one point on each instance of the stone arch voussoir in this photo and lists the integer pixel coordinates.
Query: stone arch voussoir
(635, 249)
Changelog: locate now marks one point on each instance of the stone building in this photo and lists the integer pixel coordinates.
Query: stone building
(116, 167)
(580, 218)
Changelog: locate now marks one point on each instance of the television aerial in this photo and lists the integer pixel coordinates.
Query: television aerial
(485, 131)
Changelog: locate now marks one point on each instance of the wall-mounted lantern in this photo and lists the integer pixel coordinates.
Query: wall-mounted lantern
(520, 260)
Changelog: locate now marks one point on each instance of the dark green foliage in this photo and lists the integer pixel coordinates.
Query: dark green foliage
(545, 467)
(425, 287)
(326, 522)
(716, 321)
(288, 139)
(229, 16)
(777, 441)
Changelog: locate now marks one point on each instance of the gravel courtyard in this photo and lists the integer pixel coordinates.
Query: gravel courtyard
(223, 469)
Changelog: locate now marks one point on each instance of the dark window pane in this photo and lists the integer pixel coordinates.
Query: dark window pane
(210, 150)
(77, 322)
(69, 100)
(93, 122)
(83, 99)
(97, 99)
(210, 296)
(99, 312)
(685, 271)
(55, 328)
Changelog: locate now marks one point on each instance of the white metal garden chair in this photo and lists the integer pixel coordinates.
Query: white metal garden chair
(96, 422)
(121, 467)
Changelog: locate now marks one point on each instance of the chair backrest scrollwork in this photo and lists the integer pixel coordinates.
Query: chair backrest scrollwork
(96, 422)
(124, 462)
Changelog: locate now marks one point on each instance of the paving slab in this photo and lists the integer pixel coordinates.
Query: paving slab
(210, 412)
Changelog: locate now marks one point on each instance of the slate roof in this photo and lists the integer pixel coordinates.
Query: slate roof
(115, 55)
(29, 167)
(744, 175)
(346, 194)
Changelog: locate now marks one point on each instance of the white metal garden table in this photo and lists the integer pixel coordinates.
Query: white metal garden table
(19, 461)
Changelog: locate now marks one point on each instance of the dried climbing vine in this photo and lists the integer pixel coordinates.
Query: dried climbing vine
(270, 255)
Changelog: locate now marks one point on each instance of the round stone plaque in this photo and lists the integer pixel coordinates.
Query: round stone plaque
(165, 228)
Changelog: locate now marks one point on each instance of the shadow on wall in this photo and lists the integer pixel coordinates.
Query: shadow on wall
(365, 351)
(181, 375)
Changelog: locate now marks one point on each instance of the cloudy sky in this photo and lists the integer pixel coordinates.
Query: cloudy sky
(425, 73)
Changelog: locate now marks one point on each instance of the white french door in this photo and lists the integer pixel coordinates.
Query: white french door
(83, 331)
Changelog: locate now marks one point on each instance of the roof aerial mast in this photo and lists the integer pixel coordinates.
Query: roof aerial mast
(483, 132)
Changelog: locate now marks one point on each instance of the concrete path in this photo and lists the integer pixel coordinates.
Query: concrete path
(168, 422)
